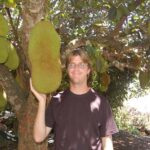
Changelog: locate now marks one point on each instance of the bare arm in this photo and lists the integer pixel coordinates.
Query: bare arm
(107, 143)
(40, 131)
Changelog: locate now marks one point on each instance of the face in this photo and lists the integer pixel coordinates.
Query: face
(78, 70)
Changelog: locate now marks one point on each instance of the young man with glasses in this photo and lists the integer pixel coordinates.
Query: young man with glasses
(81, 117)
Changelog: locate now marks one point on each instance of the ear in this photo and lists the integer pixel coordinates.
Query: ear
(89, 70)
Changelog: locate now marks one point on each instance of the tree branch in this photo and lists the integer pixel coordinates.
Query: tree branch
(14, 93)
(23, 67)
(124, 17)
(18, 47)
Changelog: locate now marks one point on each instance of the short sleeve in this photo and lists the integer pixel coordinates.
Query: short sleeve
(108, 125)
(49, 114)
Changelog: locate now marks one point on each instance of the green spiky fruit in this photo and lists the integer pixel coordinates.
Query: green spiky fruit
(4, 29)
(3, 101)
(13, 60)
(4, 49)
(10, 3)
(44, 55)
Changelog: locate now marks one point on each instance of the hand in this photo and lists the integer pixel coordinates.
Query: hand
(39, 96)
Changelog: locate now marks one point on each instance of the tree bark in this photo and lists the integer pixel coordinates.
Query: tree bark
(26, 122)
(15, 94)
(32, 12)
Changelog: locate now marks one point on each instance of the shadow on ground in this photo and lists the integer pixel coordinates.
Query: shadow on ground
(122, 141)
(125, 141)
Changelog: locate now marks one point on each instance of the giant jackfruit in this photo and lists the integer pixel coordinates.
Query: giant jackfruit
(10, 3)
(4, 29)
(44, 55)
(4, 49)
(13, 60)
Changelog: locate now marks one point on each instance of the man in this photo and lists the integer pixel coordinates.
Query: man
(81, 118)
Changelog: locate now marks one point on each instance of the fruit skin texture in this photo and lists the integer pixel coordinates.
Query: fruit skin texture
(4, 49)
(3, 101)
(4, 29)
(13, 60)
(44, 55)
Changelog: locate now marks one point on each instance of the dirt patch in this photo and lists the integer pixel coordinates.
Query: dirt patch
(126, 141)
(122, 141)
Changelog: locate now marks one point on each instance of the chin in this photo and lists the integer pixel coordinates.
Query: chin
(75, 81)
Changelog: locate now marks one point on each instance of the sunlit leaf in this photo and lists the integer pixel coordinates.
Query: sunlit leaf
(144, 78)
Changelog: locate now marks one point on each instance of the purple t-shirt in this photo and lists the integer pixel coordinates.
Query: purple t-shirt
(79, 121)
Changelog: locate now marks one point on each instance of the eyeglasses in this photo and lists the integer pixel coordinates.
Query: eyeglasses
(80, 65)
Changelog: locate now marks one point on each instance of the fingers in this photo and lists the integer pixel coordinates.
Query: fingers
(32, 88)
(38, 95)
(30, 83)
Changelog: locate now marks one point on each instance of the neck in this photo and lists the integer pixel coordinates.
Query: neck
(79, 89)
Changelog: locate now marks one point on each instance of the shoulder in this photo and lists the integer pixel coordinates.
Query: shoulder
(99, 98)
(98, 95)
(57, 97)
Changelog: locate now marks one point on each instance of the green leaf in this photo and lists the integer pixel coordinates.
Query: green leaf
(131, 6)
(136, 17)
(144, 78)
(119, 14)
(149, 28)
(101, 64)
(112, 13)
(91, 51)
(123, 9)
(103, 88)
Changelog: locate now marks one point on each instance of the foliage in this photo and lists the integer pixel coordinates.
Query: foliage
(117, 29)
(124, 121)
(132, 120)
(116, 35)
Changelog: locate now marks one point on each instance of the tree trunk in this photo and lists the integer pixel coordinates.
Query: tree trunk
(25, 130)
(23, 102)
(32, 12)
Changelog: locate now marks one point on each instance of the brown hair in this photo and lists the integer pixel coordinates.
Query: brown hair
(84, 56)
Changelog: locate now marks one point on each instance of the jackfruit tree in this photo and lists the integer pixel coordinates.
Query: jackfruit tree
(116, 35)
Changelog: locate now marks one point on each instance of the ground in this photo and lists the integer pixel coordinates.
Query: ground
(125, 141)
(122, 141)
